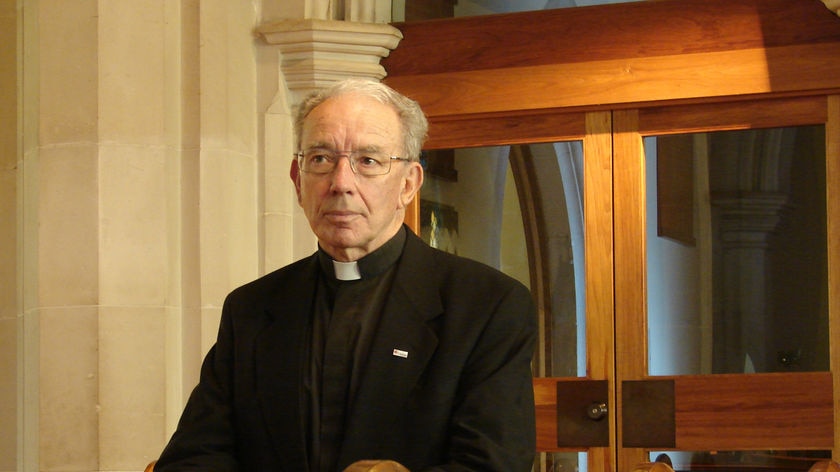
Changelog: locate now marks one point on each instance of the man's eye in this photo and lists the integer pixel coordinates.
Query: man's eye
(318, 158)
(369, 161)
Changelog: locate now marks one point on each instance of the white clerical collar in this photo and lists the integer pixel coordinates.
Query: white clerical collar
(347, 270)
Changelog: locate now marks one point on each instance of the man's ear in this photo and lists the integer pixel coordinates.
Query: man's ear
(294, 174)
(412, 181)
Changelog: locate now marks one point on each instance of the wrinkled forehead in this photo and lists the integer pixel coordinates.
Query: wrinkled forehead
(352, 121)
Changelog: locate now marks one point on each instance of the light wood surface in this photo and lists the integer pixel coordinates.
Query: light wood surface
(832, 154)
(600, 291)
(652, 467)
(825, 466)
(706, 50)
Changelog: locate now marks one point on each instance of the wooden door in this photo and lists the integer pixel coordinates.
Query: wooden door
(777, 407)
(614, 77)
(703, 411)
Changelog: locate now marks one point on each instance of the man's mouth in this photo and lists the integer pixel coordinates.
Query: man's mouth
(340, 216)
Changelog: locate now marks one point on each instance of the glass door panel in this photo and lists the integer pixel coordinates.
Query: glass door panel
(520, 209)
(737, 286)
(736, 252)
(508, 205)
(469, 207)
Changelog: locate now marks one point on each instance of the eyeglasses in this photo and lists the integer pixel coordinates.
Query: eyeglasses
(367, 163)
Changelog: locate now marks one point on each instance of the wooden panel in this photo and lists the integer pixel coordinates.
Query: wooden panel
(575, 427)
(675, 188)
(631, 278)
(791, 111)
(745, 412)
(730, 412)
(545, 402)
(632, 30)
(598, 240)
(630, 263)
(832, 155)
(647, 418)
(624, 83)
(546, 409)
(754, 412)
(645, 53)
(600, 295)
(489, 130)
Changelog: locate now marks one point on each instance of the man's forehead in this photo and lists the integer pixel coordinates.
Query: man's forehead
(360, 104)
(364, 121)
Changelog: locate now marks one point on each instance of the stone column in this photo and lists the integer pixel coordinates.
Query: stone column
(140, 211)
(746, 223)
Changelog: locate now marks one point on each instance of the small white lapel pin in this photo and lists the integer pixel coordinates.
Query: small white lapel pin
(400, 353)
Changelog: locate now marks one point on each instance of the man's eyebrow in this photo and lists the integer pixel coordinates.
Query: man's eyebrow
(317, 145)
(367, 148)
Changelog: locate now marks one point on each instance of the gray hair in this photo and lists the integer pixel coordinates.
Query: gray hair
(412, 120)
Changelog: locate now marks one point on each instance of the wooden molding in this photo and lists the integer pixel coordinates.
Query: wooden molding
(645, 54)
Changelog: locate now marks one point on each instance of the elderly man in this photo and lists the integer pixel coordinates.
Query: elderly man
(377, 350)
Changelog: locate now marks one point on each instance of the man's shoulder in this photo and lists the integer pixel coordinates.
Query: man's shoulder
(285, 276)
(456, 268)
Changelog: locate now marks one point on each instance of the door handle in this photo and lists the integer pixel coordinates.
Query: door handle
(596, 411)
(580, 409)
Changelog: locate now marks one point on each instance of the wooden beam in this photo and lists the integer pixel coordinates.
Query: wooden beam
(644, 54)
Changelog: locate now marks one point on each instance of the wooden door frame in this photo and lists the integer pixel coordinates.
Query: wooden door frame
(631, 127)
(495, 79)
(519, 78)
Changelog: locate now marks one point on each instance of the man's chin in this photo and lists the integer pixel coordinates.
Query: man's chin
(340, 238)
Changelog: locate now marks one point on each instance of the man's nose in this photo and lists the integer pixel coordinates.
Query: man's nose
(343, 175)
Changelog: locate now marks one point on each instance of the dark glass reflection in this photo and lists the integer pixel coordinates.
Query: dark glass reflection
(737, 255)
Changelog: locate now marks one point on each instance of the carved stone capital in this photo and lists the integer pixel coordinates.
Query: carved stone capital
(747, 221)
(316, 53)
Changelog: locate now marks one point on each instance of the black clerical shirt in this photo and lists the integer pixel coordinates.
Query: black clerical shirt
(345, 316)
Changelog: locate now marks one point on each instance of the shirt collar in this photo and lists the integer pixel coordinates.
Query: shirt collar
(347, 270)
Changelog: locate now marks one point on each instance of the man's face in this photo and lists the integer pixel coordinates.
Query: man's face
(352, 214)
